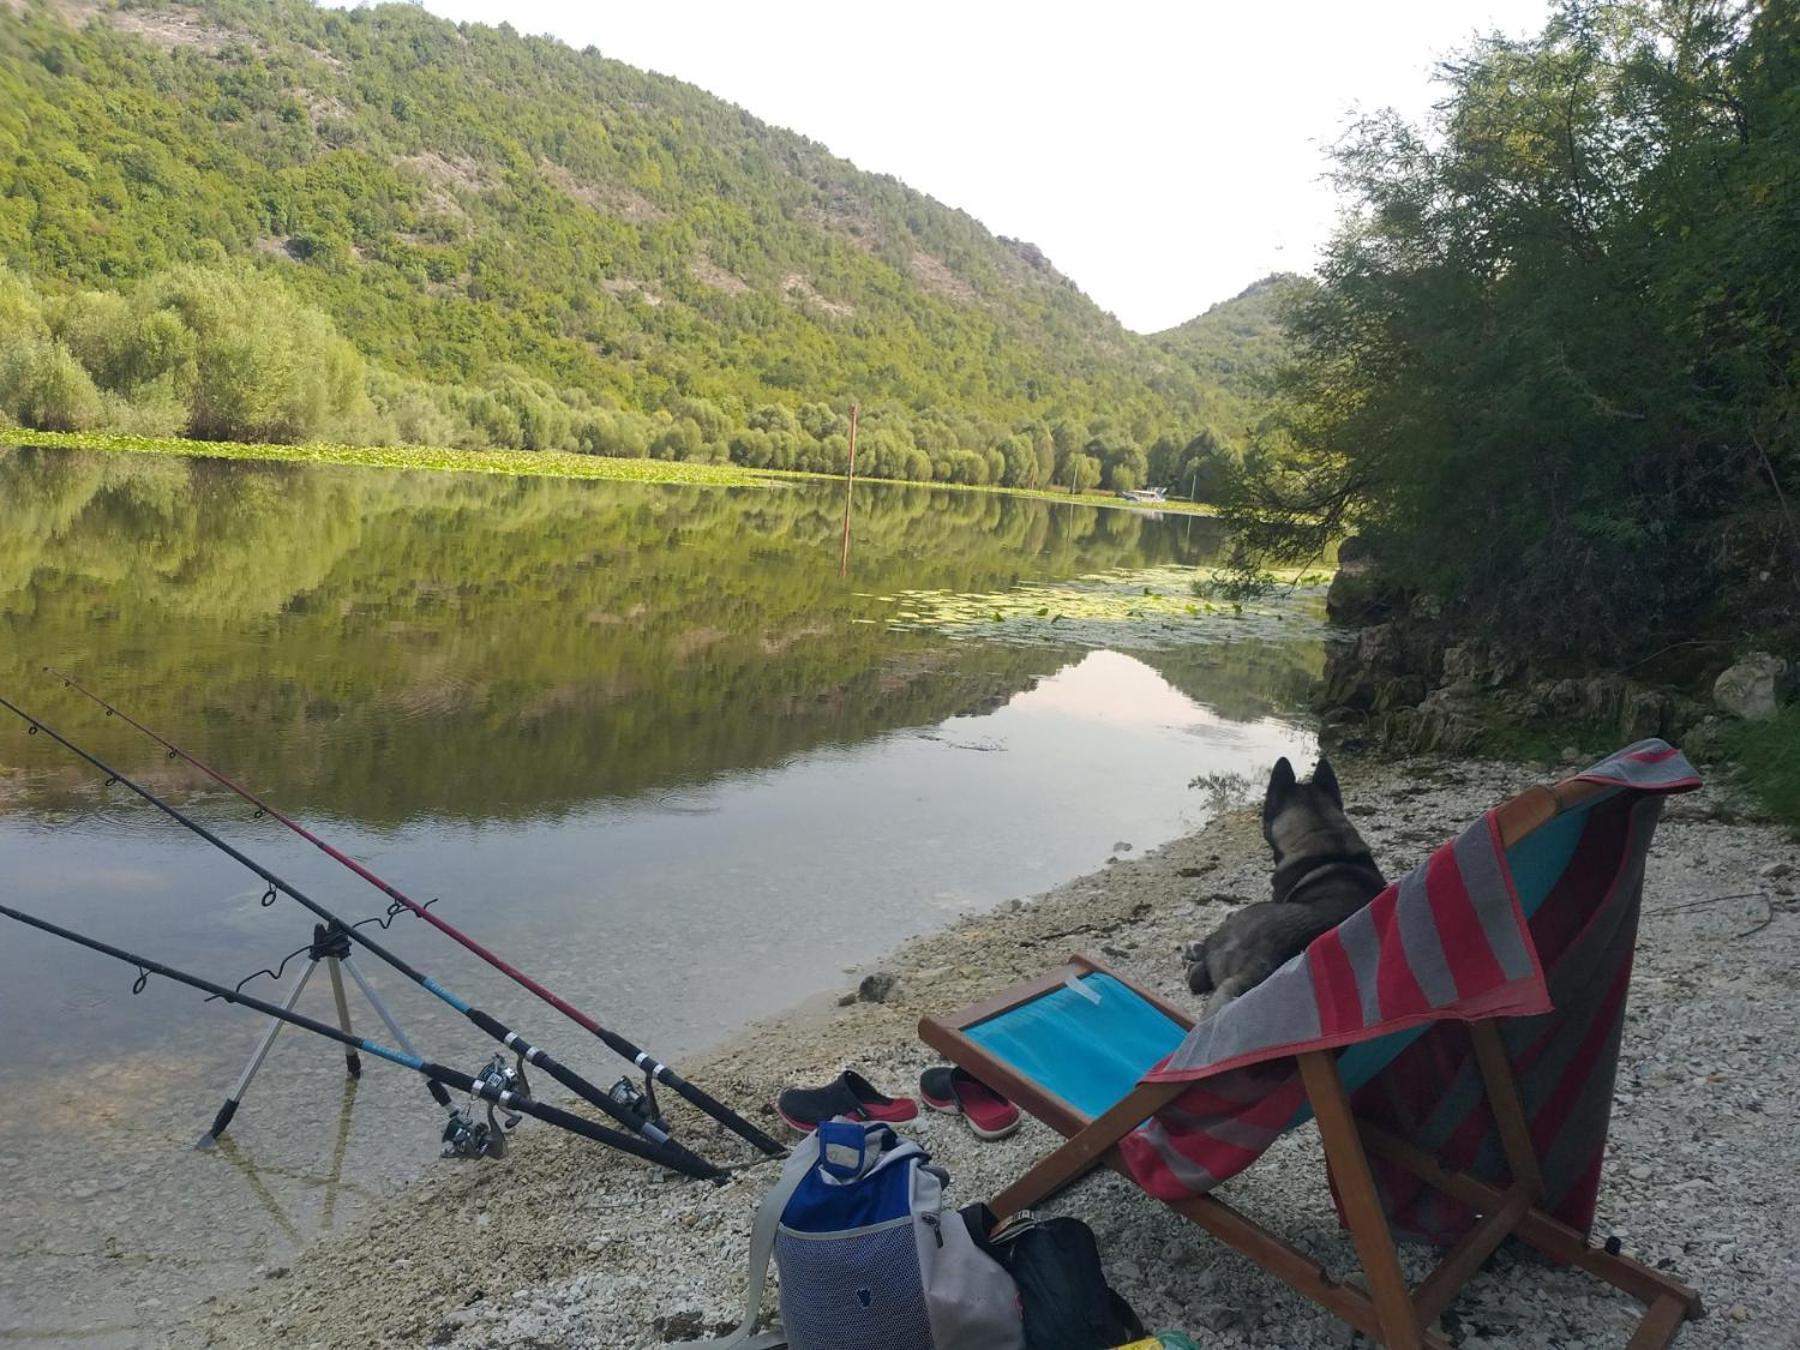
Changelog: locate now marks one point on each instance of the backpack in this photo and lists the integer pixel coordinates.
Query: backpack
(868, 1258)
(1067, 1302)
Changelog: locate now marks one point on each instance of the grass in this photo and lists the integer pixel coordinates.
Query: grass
(524, 463)
(1534, 743)
(1768, 756)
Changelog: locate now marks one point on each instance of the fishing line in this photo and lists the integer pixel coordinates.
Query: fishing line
(653, 1069)
(381, 921)
(671, 1154)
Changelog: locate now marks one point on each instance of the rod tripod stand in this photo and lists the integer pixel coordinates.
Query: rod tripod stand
(330, 948)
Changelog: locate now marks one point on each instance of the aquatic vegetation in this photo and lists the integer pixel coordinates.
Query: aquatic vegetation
(524, 463)
(1141, 608)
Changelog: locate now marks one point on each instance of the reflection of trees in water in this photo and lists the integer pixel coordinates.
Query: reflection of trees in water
(481, 645)
(1243, 680)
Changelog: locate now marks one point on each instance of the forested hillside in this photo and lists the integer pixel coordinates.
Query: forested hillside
(1238, 345)
(268, 220)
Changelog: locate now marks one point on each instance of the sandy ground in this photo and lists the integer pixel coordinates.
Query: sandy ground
(565, 1245)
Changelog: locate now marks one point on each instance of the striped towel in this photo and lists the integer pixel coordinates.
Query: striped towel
(1453, 940)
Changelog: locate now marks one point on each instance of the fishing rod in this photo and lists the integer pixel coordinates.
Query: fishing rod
(672, 1154)
(652, 1067)
(434, 1072)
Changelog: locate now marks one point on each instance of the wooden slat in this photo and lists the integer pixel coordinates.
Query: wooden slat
(1547, 1234)
(1085, 1150)
(1520, 815)
(1660, 1325)
(1400, 1327)
(1283, 1260)
(1027, 1094)
(1181, 1017)
(1508, 1110)
(1023, 992)
(1464, 1259)
(947, 1034)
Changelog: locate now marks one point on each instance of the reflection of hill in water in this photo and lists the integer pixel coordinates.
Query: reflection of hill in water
(1242, 680)
(384, 644)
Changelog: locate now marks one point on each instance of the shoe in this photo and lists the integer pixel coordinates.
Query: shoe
(958, 1092)
(849, 1095)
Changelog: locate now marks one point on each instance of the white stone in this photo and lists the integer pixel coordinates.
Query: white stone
(1754, 688)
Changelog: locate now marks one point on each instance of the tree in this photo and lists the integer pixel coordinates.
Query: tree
(1020, 461)
(42, 385)
(1207, 469)
(1548, 374)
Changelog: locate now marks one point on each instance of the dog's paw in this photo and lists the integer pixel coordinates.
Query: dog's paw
(1199, 978)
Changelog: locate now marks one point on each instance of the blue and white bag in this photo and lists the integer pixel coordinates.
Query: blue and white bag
(868, 1258)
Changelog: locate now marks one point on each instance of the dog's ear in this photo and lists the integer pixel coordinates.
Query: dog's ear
(1281, 783)
(1325, 779)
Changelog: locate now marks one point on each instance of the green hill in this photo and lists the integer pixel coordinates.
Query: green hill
(525, 245)
(1237, 345)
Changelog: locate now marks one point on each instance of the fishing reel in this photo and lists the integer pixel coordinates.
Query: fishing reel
(466, 1136)
(640, 1104)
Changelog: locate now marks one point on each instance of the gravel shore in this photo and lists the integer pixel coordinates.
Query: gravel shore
(562, 1244)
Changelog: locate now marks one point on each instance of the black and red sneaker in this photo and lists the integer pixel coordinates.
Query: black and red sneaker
(957, 1092)
(849, 1095)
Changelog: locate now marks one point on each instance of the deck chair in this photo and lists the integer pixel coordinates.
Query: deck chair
(1456, 1040)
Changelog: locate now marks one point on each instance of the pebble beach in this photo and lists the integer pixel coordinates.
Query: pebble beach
(561, 1244)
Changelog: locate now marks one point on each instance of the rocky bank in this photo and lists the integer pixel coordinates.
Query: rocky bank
(563, 1245)
(1400, 678)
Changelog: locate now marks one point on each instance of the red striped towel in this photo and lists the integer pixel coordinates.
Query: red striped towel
(1448, 942)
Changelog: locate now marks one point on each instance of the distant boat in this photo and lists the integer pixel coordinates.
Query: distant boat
(1145, 494)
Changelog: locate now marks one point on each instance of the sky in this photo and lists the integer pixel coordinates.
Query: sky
(1163, 155)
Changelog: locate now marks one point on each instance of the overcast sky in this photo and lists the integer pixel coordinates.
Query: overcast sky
(1163, 155)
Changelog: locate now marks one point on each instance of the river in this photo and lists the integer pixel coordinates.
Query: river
(647, 741)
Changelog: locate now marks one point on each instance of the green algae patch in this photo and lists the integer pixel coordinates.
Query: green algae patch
(529, 463)
(523, 463)
(1143, 608)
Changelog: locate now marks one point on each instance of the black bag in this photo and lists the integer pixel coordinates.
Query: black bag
(1056, 1263)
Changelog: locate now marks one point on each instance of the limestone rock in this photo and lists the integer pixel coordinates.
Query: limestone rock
(877, 988)
(1705, 739)
(1355, 596)
(1755, 687)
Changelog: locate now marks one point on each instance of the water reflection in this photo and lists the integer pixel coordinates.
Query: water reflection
(643, 740)
(379, 645)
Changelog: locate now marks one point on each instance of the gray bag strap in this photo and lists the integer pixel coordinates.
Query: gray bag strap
(762, 1248)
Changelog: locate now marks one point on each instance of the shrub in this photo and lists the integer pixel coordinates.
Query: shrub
(264, 366)
(151, 411)
(43, 386)
(20, 313)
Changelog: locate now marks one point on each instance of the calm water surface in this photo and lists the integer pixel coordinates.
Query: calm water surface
(645, 740)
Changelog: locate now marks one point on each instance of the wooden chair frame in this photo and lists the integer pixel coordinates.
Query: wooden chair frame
(1387, 1310)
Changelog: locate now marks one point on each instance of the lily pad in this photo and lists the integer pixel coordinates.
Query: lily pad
(1125, 608)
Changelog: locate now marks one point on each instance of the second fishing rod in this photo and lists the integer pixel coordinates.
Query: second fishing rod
(673, 1154)
(653, 1068)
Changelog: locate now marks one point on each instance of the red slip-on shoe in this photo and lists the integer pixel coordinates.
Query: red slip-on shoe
(849, 1095)
(958, 1092)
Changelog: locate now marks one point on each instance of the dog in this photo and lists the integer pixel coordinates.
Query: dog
(1324, 873)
